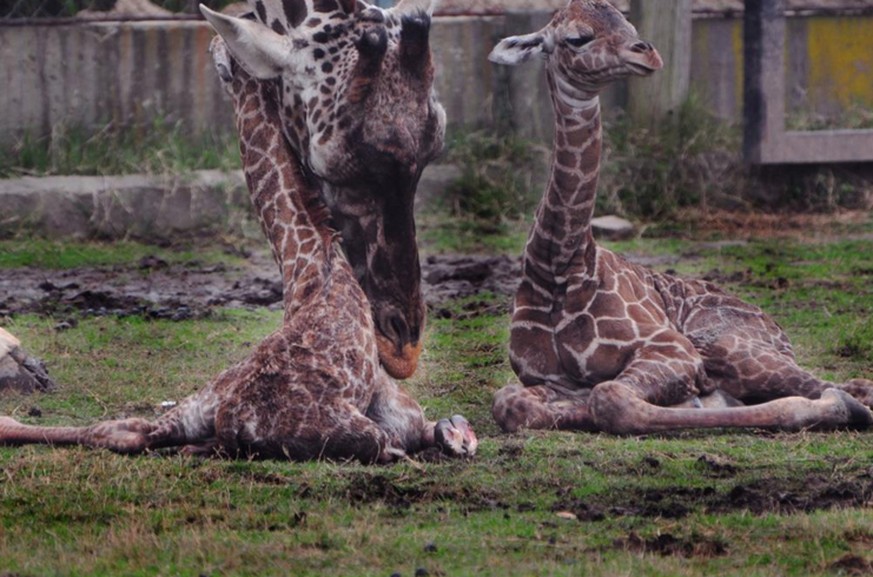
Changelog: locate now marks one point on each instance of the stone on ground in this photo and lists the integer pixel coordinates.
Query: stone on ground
(18, 370)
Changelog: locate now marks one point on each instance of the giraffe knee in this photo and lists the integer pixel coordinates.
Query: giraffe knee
(616, 408)
(507, 411)
(861, 389)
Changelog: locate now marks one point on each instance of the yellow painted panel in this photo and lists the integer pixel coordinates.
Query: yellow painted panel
(840, 52)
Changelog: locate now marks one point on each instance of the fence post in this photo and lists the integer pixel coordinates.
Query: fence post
(667, 25)
(763, 78)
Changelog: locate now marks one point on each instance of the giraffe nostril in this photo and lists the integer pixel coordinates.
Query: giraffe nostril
(400, 328)
(395, 328)
(641, 47)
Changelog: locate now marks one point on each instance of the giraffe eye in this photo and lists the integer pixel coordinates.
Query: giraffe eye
(578, 41)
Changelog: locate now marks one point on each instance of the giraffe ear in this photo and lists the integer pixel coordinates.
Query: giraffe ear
(518, 49)
(260, 50)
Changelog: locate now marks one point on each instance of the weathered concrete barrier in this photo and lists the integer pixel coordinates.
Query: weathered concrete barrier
(90, 73)
(135, 206)
(147, 208)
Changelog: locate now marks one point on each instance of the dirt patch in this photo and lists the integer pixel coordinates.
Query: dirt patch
(759, 496)
(155, 289)
(850, 564)
(366, 488)
(743, 225)
(667, 544)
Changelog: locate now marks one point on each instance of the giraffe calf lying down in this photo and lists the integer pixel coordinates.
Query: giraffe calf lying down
(602, 344)
(315, 387)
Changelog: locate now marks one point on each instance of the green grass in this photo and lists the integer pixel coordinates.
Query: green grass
(159, 148)
(535, 503)
(57, 255)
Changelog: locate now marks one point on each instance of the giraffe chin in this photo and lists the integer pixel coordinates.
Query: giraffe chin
(399, 364)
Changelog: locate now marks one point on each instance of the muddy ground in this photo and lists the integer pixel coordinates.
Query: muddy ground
(156, 289)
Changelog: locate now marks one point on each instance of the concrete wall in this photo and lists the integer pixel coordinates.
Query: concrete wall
(89, 74)
(829, 64)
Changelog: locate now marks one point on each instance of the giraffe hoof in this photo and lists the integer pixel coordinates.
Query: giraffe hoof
(857, 416)
(391, 455)
(455, 437)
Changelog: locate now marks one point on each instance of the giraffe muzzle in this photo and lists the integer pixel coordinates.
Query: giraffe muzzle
(399, 361)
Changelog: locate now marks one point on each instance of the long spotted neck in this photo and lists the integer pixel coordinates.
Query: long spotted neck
(291, 211)
(561, 236)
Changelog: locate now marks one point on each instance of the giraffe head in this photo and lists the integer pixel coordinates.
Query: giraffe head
(359, 110)
(587, 45)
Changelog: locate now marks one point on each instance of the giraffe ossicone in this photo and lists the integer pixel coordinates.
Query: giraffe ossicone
(601, 344)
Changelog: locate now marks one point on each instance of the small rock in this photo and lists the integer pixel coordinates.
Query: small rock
(63, 326)
(430, 547)
(34, 412)
(421, 572)
(612, 227)
(152, 262)
(18, 370)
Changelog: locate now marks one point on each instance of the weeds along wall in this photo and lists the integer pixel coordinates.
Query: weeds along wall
(89, 74)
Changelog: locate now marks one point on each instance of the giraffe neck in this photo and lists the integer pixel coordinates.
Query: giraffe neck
(561, 236)
(290, 209)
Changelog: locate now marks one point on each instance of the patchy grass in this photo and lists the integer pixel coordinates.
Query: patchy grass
(59, 255)
(159, 148)
(535, 503)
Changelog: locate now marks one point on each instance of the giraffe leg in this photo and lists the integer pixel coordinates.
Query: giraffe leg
(669, 370)
(127, 436)
(454, 436)
(402, 417)
(542, 407)
(757, 369)
(618, 409)
(861, 389)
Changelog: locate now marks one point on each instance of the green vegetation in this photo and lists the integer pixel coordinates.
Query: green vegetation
(42, 253)
(856, 116)
(691, 163)
(688, 161)
(534, 503)
(158, 148)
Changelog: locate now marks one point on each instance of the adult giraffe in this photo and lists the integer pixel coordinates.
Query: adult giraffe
(358, 107)
(601, 344)
(314, 388)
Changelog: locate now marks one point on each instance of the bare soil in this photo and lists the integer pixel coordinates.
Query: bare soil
(156, 289)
